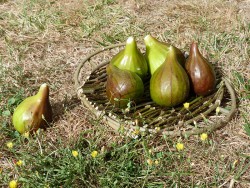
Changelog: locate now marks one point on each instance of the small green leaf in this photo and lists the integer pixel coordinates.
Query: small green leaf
(11, 101)
(247, 128)
(6, 113)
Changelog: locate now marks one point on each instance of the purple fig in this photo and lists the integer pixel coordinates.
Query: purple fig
(123, 86)
(200, 71)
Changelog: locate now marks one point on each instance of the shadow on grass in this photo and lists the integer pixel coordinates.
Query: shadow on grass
(61, 107)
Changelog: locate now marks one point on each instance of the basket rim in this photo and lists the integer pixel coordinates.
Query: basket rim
(116, 125)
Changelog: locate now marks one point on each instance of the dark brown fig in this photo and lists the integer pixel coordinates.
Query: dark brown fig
(169, 85)
(131, 59)
(157, 52)
(200, 71)
(123, 86)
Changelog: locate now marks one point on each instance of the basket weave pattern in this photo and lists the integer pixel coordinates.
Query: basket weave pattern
(90, 79)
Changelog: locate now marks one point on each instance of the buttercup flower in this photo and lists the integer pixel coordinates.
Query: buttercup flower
(94, 154)
(75, 153)
(13, 184)
(136, 131)
(150, 162)
(203, 136)
(217, 110)
(19, 163)
(156, 162)
(186, 105)
(9, 145)
(179, 146)
(157, 129)
(26, 135)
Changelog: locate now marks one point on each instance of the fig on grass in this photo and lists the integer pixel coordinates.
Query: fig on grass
(131, 59)
(200, 71)
(157, 52)
(34, 112)
(123, 86)
(169, 85)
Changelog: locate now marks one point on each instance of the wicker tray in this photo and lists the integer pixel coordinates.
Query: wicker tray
(147, 117)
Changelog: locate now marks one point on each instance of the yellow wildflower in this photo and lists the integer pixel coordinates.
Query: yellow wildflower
(157, 129)
(75, 153)
(156, 162)
(186, 105)
(179, 146)
(94, 154)
(10, 145)
(26, 135)
(13, 184)
(203, 136)
(217, 110)
(150, 162)
(19, 163)
(136, 131)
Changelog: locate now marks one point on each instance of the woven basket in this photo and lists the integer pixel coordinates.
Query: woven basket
(147, 117)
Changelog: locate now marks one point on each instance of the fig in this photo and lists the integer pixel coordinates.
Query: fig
(200, 72)
(123, 86)
(157, 52)
(131, 59)
(34, 112)
(169, 85)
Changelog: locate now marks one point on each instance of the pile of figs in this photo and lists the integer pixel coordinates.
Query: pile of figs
(172, 76)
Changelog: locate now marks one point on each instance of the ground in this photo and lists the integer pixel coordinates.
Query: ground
(43, 41)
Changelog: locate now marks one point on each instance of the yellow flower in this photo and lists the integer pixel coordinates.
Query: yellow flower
(186, 105)
(150, 162)
(179, 146)
(94, 154)
(19, 163)
(217, 110)
(13, 184)
(10, 145)
(136, 131)
(157, 129)
(75, 153)
(203, 136)
(26, 135)
(156, 162)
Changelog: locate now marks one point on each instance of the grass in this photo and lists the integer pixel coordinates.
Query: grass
(43, 41)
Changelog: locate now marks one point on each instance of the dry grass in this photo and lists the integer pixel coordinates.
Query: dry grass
(43, 41)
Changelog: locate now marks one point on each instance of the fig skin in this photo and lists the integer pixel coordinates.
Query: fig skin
(200, 72)
(169, 85)
(157, 52)
(123, 85)
(34, 112)
(131, 59)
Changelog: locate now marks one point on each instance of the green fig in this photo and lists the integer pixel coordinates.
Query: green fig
(157, 52)
(123, 86)
(169, 85)
(200, 71)
(34, 112)
(131, 59)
